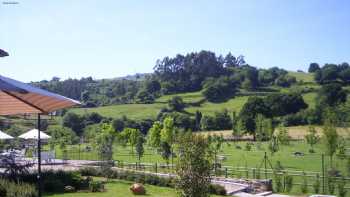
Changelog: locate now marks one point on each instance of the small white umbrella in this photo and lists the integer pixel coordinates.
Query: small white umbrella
(4, 136)
(33, 135)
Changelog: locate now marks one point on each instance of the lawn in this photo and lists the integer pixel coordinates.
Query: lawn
(121, 188)
(234, 157)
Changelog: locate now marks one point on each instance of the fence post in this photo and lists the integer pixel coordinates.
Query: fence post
(323, 181)
(156, 168)
(265, 160)
(79, 151)
(225, 172)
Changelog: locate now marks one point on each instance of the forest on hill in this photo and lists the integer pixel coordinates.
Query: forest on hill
(219, 77)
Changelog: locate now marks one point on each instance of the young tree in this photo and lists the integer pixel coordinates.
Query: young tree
(139, 147)
(215, 143)
(153, 137)
(264, 128)
(165, 151)
(237, 127)
(167, 135)
(330, 140)
(312, 138)
(176, 104)
(130, 135)
(283, 136)
(193, 166)
(273, 145)
(104, 142)
(198, 118)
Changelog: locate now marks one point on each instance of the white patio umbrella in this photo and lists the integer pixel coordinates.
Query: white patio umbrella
(4, 136)
(20, 98)
(33, 135)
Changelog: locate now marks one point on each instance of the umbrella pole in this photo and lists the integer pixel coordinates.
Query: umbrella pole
(39, 158)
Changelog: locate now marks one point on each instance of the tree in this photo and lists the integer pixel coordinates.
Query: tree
(165, 151)
(264, 128)
(208, 123)
(193, 166)
(139, 147)
(312, 138)
(85, 96)
(118, 124)
(232, 61)
(330, 139)
(104, 142)
(145, 97)
(283, 104)
(331, 95)
(220, 89)
(176, 104)
(154, 135)
(152, 86)
(236, 129)
(167, 135)
(313, 67)
(198, 118)
(215, 143)
(283, 136)
(61, 136)
(222, 120)
(131, 135)
(74, 121)
(249, 111)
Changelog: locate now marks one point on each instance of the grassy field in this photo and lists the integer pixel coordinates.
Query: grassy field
(234, 157)
(121, 188)
(301, 76)
(133, 111)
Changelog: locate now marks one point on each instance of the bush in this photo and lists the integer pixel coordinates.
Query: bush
(341, 188)
(96, 186)
(217, 189)
(304, 184)
(289, 183)
(317, 184)
(248, 146)
(11, 189)
(278, 183)
(55, 180)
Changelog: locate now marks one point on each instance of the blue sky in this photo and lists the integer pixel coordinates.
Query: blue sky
(110, 38)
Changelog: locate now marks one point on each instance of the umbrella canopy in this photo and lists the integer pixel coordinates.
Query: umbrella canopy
(3, 53)
(4, 136)
(33, 135)
(20, 98)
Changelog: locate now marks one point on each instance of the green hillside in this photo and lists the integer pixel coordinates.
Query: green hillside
(301, 76)
(143, 111)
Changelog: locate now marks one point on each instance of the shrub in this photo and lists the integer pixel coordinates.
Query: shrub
(317, 184)
(248, 146)
(11, 189)
(278, 183)
(341, 188)
(288, 183)
(217, 189)
(96, 186)
(331, 186)
(304, 184)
